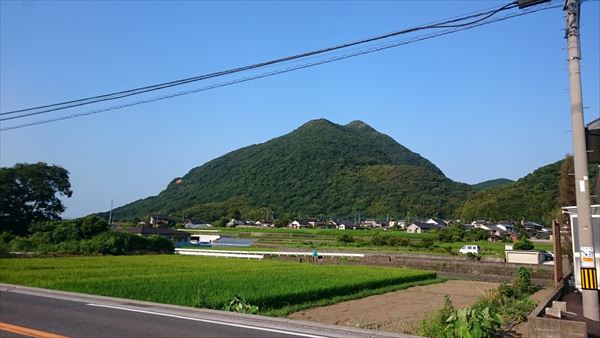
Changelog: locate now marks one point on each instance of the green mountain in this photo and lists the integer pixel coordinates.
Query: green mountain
(533, 197)
(320, 168)
(491, 184)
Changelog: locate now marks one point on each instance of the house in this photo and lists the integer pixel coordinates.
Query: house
(373, 223)
(159, 220)
(195, 224)
(299, 224)
(397, 224)
(173, 235)
(349, 225)
(495, 232)
(234, 222)
(437, 221)
(532, 226)
(315, 222)
(505, 225)
(418, 227)
(478, 223)
(265, 223)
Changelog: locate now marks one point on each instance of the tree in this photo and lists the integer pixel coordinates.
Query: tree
(566, 188)
(28, 194)
(523, 244)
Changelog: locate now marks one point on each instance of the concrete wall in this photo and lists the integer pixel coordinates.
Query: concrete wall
(540, 327)
(541, 274)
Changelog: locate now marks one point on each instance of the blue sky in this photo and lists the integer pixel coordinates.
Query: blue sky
(480, 104)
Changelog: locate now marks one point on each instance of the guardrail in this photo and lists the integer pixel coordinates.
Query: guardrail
(194, 252)
(260, 254)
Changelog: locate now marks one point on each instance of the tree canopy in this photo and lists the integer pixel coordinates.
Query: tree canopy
(30, 193)
(320, 169)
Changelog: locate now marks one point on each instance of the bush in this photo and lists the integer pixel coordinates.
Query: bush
(522, 280)
(473, 256)
(508, 303)
(4, 249)
(6, 237)
(239, 304)
(158, 244)
(523, 244)
(473, 322)
(435, 323)
(21, 244)
(345, 238)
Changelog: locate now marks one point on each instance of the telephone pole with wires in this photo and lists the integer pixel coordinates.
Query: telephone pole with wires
(587, 256)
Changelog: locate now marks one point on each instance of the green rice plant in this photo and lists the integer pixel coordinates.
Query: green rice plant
(274, 286)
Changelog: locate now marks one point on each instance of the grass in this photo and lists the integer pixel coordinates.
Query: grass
(276, 287)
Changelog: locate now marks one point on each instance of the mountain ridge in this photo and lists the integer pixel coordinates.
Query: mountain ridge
(318, 168)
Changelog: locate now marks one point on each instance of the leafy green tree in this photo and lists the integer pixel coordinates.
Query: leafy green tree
(28, 194)
(523, 244)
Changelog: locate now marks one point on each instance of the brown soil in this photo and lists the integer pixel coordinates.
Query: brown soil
(398, 311)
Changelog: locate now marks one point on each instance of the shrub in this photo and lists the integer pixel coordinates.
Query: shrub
(473, 256)
(435, 323)
(472, 322)
(345, 238)
(159, 244)
(4, 249)
(239, 304)
(21, 244)
(6, 237)
(523, 244)
(522, 280)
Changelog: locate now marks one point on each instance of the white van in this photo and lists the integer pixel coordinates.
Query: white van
(474, 249)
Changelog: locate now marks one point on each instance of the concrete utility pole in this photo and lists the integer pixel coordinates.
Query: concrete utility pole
(591, 310)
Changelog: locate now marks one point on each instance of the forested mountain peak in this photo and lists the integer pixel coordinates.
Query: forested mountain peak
(320, 168)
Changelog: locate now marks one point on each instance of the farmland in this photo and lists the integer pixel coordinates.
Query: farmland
(277, 288)
(362, 240)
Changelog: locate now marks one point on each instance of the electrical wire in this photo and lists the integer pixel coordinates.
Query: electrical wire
(117, 95)
(290, 69)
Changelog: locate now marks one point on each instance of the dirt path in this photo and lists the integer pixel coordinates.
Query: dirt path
(398, 311)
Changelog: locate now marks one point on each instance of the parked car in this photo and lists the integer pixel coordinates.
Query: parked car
(548, 255)
(474, 249)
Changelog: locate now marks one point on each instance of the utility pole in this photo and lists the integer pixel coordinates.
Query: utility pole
(110, 213)
(591, 310)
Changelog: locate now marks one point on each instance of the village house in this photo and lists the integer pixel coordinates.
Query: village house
(196, 224)
(418, 227)
(349, 225)
(505, 225)
(265, 223)
(234, 222)
(437, 221)
(299, 224)
(159, 220)
(397, 224)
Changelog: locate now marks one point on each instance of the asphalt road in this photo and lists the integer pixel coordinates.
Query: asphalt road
(78, 315)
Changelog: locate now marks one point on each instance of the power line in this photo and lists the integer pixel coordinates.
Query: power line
(363, 51)
(447, 23)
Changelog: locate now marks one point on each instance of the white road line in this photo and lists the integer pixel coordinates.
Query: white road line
(207, 321)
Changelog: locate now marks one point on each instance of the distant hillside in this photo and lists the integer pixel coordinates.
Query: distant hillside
(491, 184)
(321, 168)
(533, 197)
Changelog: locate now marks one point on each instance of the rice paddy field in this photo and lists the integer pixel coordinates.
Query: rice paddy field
(276, 287)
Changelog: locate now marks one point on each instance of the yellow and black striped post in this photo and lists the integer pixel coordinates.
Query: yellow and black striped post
(589, 279)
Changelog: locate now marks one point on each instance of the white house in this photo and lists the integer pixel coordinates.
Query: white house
(299, 224)
(348, 225)
(506, 226)
(195, 224)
